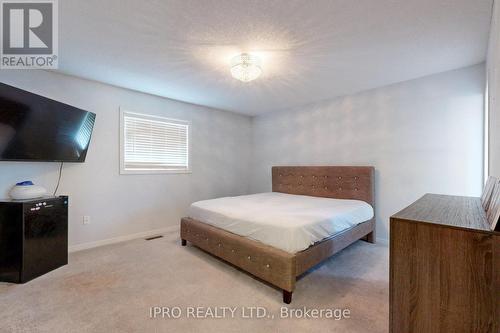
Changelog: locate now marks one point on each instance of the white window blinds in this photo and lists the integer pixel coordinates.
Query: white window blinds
(152, 144)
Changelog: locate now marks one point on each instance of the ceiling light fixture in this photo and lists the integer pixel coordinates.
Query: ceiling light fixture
(245, 67)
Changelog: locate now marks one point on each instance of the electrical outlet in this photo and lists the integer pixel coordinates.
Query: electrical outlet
(86, 219)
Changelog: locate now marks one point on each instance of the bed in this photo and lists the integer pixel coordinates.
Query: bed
(279, 236)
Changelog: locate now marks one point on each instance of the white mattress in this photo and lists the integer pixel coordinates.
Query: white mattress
(285, 221)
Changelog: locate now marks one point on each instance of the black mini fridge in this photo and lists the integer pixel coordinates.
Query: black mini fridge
(33, 237)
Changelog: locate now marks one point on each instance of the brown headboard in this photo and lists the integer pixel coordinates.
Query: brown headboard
(340, 182)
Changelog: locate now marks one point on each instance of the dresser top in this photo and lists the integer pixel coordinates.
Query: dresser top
(453, 211)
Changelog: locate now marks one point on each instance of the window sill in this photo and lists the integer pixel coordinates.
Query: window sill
(153, 172)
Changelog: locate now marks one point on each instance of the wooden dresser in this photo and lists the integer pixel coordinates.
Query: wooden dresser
(444, 267)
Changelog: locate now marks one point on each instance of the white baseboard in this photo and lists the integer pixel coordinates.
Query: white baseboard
(149, 233)
(144, 234)
(382, 241)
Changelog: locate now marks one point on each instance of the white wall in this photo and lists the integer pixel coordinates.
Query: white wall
(493, 63)
(424, 135)
(126, 204)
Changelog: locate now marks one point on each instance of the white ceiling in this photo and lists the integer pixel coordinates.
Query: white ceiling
(311, 49)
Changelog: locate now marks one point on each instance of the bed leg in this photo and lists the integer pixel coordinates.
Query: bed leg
(287, 297)
(370, 238)
(183, 242)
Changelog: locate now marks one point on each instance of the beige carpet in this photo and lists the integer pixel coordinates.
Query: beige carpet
(111, 289)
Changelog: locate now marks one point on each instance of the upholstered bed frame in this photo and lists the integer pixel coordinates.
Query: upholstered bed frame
(276, 266)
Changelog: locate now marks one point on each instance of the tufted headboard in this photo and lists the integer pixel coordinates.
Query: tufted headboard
(340, 182)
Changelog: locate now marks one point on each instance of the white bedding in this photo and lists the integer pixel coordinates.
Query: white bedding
(285, 221)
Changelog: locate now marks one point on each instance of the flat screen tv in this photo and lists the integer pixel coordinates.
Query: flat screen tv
(35, 128)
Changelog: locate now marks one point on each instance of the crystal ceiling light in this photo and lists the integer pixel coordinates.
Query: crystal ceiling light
(245, 67)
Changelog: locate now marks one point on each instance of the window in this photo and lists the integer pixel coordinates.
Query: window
(151, 144)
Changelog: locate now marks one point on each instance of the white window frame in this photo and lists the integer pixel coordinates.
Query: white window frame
(486, 151)
(124, 171)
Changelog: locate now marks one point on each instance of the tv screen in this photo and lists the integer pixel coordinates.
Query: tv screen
(35, 128)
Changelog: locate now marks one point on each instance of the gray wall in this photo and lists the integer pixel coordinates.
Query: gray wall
(424, 135)
(121, 205)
